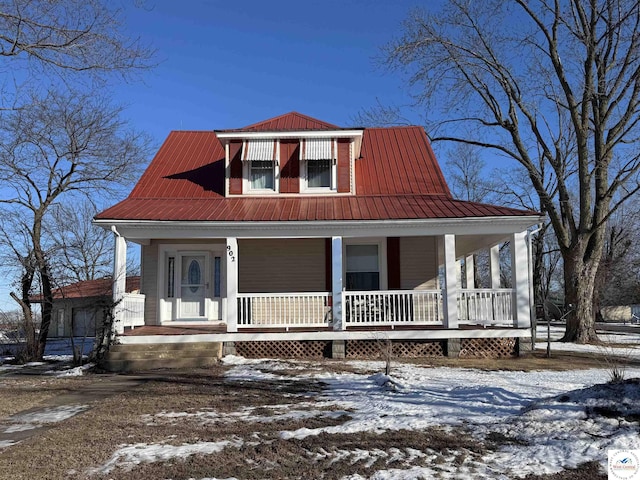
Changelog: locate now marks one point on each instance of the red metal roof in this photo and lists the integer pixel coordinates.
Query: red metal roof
(398, 160)
(396, 177)
(304, 208)
(291, 121)
(90, 288)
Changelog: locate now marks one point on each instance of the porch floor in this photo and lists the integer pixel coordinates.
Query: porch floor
(146, 330)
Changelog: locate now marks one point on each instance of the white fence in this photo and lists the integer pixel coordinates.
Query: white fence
(396, 307)
(283, 310)
(133, 310)
(486, 306)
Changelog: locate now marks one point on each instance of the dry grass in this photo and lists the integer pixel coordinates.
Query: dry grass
(22, 393)
(72, 448)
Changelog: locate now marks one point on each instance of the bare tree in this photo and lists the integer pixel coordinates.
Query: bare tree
(554, 86)
(62, 147)
(619, 273)
(54, 36)
(79, 250)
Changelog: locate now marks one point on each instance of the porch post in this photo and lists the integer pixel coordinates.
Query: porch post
(470, 271)
(494, 266)
(336, 282)
(119, 282)
(450, 300)
(520, 280)
(232, 284)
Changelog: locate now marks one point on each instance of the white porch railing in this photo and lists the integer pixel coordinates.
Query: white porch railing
(284, 310)
(133, 310)
(395, 307)
(488, 306)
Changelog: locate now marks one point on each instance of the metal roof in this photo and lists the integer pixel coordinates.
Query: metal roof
(396, 177)
(287, 122)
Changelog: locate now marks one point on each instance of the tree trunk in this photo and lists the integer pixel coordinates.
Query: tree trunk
(580, 281)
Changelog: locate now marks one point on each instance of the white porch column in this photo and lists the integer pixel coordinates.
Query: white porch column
(336, 282)
(119, 281)
(520, 280)
(469, 269)
(232, 284)
(450, 298)
(494, 266)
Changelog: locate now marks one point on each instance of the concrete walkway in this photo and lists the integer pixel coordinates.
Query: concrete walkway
(27, 423)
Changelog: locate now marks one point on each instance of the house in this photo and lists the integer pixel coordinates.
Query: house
(78, 308)
(294, 236)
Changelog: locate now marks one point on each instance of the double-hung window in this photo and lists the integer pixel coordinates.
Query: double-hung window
(260, 158)
(362, 267)
(318, 162)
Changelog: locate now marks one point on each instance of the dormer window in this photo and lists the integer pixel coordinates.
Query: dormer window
(318, 160)
(260, 160)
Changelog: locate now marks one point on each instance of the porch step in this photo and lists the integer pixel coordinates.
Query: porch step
(141, 357)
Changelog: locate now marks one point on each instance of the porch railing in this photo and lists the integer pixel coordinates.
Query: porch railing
(284, 310)
(133, 309)
(487, 306)
(395, 307)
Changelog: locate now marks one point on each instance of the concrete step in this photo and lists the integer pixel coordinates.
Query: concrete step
(140, 357)
(164, 347)
(139, 365)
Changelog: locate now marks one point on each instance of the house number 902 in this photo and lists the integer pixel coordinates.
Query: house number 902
(231, 254)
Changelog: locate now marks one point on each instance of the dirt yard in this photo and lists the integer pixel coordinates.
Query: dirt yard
(244, 438)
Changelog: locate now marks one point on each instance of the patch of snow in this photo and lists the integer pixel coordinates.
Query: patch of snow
(73, 372)
(6, 443)
(49, 415)
(128, 456)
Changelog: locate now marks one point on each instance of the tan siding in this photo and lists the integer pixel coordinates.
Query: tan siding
(281, 265)
(418, 263)
(149, 283)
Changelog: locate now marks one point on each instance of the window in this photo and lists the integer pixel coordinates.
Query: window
(261, 175)
(319, 173)
(317, 156)
(260, 159)
(363, 269)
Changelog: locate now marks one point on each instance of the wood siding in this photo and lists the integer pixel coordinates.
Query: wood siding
(344, 164)
(235, 168)
(281, 265)
(289, 166)
(149, 282)
(418, 263)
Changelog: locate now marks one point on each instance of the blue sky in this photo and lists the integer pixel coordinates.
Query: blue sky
(230, 64)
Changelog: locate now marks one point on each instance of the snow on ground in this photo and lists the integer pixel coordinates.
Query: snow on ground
(552, 420)
(131, 455)
(38, 418)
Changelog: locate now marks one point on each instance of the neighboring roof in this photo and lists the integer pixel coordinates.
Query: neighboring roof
(90, 289)
(292, 121)
(397, 177)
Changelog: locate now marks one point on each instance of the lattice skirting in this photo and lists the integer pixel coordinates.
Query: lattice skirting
(284, 349)
(488, 348)
(400, 349)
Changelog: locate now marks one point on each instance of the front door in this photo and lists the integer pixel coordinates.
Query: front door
(192, 288)
(198, 286)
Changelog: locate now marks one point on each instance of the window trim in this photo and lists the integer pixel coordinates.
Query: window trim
(381, 242)
(304, 172)
(246, 174)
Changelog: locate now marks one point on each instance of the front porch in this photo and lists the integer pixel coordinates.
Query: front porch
(417, 288)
